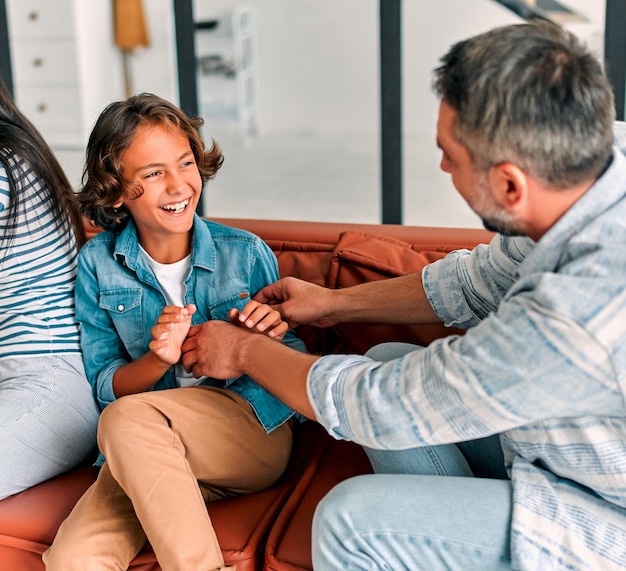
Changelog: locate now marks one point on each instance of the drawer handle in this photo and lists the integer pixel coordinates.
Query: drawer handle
(33, 16)
(37, 62)
(42, 108)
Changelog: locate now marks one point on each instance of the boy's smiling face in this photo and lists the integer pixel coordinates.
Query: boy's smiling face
(160, 160)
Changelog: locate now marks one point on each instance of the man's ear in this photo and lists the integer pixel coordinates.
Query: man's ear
(118, 203)
(509, 186)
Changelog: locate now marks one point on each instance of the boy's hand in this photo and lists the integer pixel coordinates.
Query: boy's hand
(261, 318)
(170, 331)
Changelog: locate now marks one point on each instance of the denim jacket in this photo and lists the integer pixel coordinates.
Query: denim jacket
(118, 300)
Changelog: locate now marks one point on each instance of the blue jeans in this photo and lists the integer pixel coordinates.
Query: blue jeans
(408, 516)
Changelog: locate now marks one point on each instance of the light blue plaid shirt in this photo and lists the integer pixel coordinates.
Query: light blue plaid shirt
(543, 363)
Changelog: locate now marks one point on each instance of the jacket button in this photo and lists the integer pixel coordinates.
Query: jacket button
(120, 307)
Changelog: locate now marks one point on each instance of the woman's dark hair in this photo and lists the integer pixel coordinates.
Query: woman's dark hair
(103, 179)
(20, 141)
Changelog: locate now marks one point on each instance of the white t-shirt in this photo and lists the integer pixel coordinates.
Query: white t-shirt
(171, 278)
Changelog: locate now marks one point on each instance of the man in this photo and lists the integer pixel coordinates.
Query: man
(525, 131)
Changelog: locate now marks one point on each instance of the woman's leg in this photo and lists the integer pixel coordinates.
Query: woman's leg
(416, 523)
(169, 451)
(48, 419)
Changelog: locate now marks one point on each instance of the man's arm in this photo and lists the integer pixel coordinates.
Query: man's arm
(396, 300)
(222, 350)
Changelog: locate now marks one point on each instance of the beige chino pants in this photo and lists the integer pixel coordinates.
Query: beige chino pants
(168, 452)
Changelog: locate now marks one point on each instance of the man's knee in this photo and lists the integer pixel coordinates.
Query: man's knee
(340, 504)
(337, 518)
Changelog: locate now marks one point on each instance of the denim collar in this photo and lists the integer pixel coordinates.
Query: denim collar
(202, 247)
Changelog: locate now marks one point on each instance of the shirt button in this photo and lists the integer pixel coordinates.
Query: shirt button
(120, 307)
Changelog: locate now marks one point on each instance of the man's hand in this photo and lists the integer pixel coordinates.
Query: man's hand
(299, 302)
(170, 331)
(211, 349)
(222, 350)
(260, 318)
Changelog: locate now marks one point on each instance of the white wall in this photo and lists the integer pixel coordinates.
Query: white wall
(318, 77)
(317, 62)
(319, 59)
(318, 73)
(154, 68)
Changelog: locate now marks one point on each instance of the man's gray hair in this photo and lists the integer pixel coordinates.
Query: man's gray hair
(530, 94)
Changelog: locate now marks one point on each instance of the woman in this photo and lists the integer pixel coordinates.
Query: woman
(48, 416)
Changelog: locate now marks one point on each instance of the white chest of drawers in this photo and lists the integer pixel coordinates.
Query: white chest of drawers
(65, 65)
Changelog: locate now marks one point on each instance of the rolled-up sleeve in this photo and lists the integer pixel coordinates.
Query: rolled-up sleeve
(466, 286)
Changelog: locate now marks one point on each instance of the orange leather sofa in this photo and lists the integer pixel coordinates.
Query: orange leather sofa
(270, 530)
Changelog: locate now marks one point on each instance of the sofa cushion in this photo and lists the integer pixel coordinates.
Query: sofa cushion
(361, 257)
(289, 542)
(29, 520)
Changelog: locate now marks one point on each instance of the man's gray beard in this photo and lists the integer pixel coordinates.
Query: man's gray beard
(500, 227)
(494, 219)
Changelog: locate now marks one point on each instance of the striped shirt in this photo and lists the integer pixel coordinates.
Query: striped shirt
(543, 363)
(37, 271)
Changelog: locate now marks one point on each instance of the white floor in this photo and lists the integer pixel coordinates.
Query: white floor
(314, 177)
(291, 176)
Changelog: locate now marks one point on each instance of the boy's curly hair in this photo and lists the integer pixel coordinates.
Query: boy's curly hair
(103, 181)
